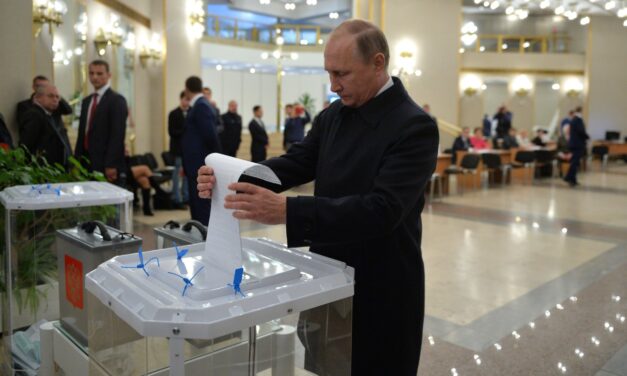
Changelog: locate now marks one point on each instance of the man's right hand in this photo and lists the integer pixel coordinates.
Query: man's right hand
(206, 181)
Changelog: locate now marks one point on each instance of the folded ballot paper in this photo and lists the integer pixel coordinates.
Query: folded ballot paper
(223, 248)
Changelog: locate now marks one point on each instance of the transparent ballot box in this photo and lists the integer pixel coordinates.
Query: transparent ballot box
(291, 316)
(29, 273)
(173, 233)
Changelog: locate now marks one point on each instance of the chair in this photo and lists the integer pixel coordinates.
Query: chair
(525, 159)
(468, 166)
(164, 173)
(435, 178)
(492, 162)
(603, 152)
(612, 135)
(544, 158)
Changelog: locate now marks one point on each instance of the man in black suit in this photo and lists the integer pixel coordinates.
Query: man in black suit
(577, 146)
(6, 140)
(41, 132)
(64, 107)
(102, 126)
(231, 136)
(462, 142)
(260, 141)
(370, 155)
(176, 128)
(199, 140)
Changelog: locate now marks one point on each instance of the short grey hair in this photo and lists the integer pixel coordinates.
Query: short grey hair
(369, 39)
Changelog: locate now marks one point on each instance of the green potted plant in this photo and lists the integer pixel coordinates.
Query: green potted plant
(33, 235)
(308, 102)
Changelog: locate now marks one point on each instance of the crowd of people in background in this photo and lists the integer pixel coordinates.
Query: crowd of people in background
(196, 127)
(498, 133)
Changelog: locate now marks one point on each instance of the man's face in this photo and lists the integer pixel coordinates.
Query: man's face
(352, 79)
(98, 75)
(39, 83)
(233, 107)
(466, 132)
(259, 113)
(289, 111)
(207, 94)
(49, 99)
(184, 102)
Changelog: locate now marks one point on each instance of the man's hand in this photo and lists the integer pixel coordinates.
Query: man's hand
(256, 203)
(111, 173)
(206, 181)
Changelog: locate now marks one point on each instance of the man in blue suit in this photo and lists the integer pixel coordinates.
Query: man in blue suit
(577, 146)
(199, 140)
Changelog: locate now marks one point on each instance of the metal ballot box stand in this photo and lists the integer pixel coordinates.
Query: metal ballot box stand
(28, 269)
(80, 250)
(292, 316)
(172, 233)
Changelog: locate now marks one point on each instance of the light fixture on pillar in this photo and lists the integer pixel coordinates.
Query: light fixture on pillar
(406, 61)
(80, 28)
(522, 86)
(151, 50)
(108, 35)
(279, 56)
(196, 18)
(573, 87)
(471, 84)
(49, 12)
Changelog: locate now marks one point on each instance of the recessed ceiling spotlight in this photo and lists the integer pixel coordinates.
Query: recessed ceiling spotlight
(610, 5)
(312, 2)
(290, 6)
(334, 15)
(264, 2)
(218, 67)
(584, 21)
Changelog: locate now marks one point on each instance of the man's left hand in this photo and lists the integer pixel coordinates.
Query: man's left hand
(111, 173)
(256, 203)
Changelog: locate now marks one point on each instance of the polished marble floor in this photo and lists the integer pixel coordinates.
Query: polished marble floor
(501, 258)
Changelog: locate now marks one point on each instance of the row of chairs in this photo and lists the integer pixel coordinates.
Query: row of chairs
(532, 160)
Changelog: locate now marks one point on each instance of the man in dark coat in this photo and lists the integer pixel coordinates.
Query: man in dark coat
(371, 155)
(176, 128)
(102, 126)
(199, 140)
(231, 136)
(64, 107)
(577, 146)
(41, 132)
(260, 141)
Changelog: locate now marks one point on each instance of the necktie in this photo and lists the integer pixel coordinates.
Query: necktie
(90, 120)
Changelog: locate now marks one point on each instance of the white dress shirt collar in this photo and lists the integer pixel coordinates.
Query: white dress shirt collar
(387, 85)
(102, 90)
(194, 99)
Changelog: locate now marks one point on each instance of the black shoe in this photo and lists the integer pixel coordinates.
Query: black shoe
(176, 206)
(571, 183)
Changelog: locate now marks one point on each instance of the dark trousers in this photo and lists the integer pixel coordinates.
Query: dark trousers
(575, 158)
(200, 208)
(258, 154)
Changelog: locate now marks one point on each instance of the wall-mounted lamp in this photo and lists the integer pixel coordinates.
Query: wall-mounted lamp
(573, 87)
(406, 61)
(522, 86)
(196, 18)
(471, 84)
(151, 50)
(81, 27)
(49, 12)
(108, 35)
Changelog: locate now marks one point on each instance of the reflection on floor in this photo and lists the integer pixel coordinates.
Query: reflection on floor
(521, 280)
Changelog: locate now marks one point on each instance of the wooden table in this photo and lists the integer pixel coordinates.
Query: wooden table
(615, 149)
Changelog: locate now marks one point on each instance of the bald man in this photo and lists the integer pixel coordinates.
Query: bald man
(231, 136)
(42, 132)
(370, 154)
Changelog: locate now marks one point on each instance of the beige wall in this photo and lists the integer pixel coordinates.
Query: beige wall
(433, 26)
(16, 57)
(606, 77)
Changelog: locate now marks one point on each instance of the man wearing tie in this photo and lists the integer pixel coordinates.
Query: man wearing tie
(41, 131)
(102, 125)
(259, 136)
(199, 140)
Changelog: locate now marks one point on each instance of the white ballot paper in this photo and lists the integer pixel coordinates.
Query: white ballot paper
(223, 248)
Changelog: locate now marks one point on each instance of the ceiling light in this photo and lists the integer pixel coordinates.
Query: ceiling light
(304, 42)
(312, 2)
(218, 67)
(290, 6)
(264, 55)
(495, 4)
(545, 4)
(509, 10)
(418, 73)
(294, 56)
(320, 41)
(334, 15)
(512, 17)
(622, 12)
(504, 46)
(252, 70)
(558, 18)
(477, 1)
(610, 5)
(559, 10)
(462, 50)
(280, 41)
(526, 45)
(482, 48)
(264, 2)
(555, 86)
(625, 23)
(584, 21)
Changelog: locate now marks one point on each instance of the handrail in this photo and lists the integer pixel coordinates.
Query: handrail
(450, 128)
(555, 43)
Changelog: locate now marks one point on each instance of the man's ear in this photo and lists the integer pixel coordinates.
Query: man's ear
(379, 62)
